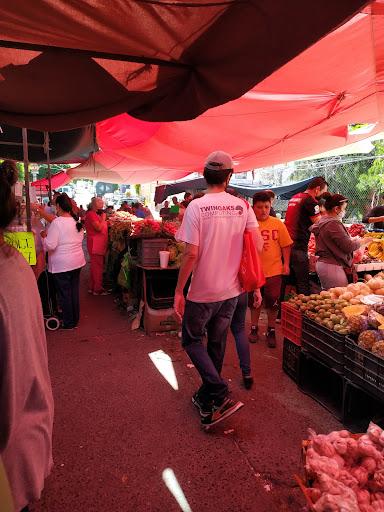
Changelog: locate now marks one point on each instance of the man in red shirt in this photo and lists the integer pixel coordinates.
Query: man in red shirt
(303, 210)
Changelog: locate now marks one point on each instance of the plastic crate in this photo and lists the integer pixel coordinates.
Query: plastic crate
(291, 355)
(161, 289)
(291, 323)
(321, 383)
(148, 251)
(326, 345)
(359, 408)
(364, 369)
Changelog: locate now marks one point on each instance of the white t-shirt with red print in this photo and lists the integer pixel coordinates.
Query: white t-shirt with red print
(216, 224)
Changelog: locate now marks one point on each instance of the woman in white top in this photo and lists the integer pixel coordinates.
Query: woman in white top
(65, 258)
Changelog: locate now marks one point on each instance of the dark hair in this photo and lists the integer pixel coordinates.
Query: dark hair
(8, 169)
(321, 199)
(213, 177)
(317, 182)
(135, 205)
(270, 193)
(8, 203)
(66, 205)
(187, 194)
(332, 200)
(261, 197)
(198, 195)
(232, 191)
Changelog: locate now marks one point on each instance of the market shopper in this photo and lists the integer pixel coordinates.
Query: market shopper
(165, 212)
(238, 328)
(82, 213)
(184, 204)
(146, 210)
(212, 229)
(274, 258)
(175, 208)
(97, 240)
(137, 211)
(65, 258)
(26, 400)
(334, 246)
(375, 216)
(303, 211)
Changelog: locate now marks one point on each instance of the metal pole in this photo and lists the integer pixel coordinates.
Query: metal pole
(26, 177)
(46, 150)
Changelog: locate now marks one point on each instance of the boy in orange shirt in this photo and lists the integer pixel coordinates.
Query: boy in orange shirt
(277, 244)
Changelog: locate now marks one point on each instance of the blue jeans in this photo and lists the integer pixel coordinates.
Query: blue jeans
(216, 317)
(67, 287)
(240, 335)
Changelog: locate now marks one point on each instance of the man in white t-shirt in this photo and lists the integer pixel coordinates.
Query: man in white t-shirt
(213, 229)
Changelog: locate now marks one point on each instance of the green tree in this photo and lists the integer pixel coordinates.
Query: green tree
(373, 178)
(55, 168)
(137, 189)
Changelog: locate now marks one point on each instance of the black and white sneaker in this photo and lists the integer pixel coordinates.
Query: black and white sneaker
(220, 412)
(205, 408)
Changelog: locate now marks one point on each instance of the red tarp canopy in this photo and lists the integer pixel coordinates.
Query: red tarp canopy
(69, 64)
(302, 109)
(57, 180)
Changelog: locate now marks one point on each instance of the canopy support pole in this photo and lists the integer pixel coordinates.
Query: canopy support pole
(46, 150)
(26, 178)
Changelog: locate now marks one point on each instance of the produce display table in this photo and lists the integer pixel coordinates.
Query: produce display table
(332, 369)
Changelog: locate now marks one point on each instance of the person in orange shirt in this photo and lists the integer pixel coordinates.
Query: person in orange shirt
(277, 245)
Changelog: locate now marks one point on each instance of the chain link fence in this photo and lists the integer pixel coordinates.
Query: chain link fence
(359, 178)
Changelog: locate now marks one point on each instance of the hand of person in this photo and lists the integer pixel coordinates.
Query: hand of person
(103, 216)
(43, 234)
(35, 207)
(286, 269)
(367, 240)
(179, 305)
(257, 298)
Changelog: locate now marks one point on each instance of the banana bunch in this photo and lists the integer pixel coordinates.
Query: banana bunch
(376, 250)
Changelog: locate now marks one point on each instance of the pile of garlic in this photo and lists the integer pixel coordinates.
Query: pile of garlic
(347, 474)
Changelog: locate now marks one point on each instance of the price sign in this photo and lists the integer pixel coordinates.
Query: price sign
(23, 242)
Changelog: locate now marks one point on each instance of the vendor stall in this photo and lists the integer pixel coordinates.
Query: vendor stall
(134, 260)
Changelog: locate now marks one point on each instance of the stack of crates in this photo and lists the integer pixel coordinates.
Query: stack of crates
(364, 388)
(291, 329)
(321, 374)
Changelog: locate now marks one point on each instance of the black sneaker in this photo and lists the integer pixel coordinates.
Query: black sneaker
(205, 408)
(220, 412)
(248, 382)
(270, 337)
(253, 336)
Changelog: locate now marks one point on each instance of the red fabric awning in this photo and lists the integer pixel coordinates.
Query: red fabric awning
(111, 167)
(57, 180)
(302, 109)
(69, 64)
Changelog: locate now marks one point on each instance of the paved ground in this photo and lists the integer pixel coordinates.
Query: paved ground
(121, 430)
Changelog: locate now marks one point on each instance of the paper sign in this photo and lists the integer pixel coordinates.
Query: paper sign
(23, 242)
(18, 189)
(32, 194)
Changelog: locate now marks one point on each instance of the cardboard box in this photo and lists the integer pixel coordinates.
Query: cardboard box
(160, 320)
